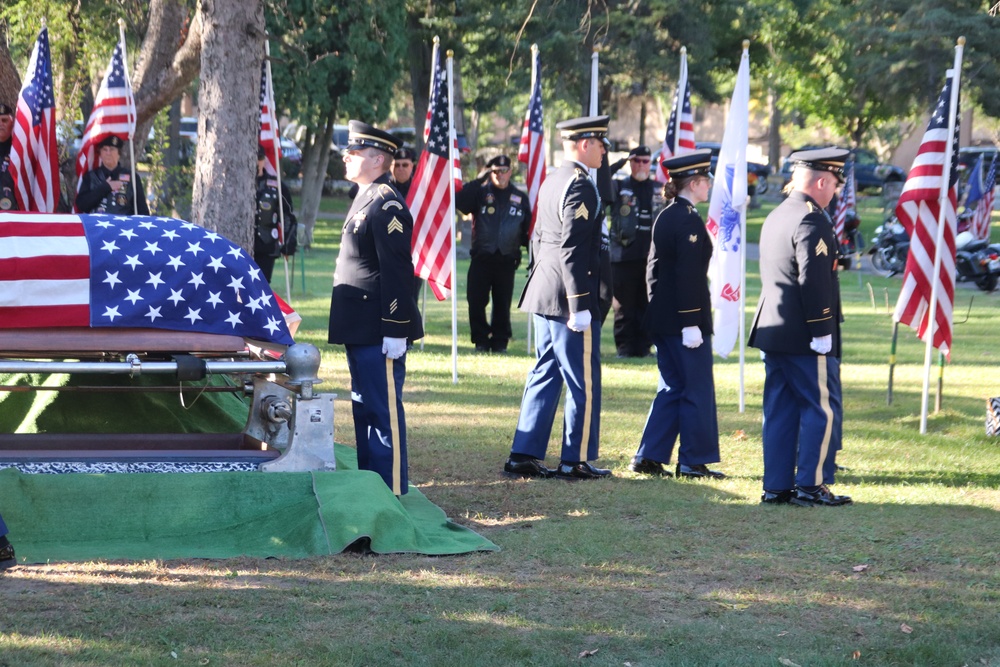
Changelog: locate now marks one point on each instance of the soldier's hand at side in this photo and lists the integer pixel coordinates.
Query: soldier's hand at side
(579, 322)
(393, 348)
(691, 337)
(822, 344)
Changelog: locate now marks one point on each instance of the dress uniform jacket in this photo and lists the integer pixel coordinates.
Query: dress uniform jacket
(676, 273)
(800, 293)
(373, 282)
(95, 194)
(8, 202)
(572, 266)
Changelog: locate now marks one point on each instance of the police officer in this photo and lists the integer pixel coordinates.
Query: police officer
(7, 558)
(108, 188)
(797, 329)
(8, 202)
(500, 219)
(632, 210)
(564, 293)
(372, 310)
(679, 318)
(266, 240)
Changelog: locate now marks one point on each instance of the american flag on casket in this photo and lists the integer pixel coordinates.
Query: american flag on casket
(131, 271)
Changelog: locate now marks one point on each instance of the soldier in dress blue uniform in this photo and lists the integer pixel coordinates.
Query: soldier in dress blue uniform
(568, 292)
(372, 310)
(679, 319)
(108, 188)
(7, 558)
(633, 208)
(500, 219)
(8, 202)
(267, 246)
(797, 329)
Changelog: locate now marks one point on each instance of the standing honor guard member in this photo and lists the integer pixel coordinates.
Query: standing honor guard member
(372, 310)
(500, 219)
(7, 558)
(632, 209)
(7, 200)
(564, 292)
(679, 318)
(266, 244)
(797, 329)
(108, 188)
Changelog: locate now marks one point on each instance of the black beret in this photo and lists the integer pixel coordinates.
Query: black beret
(586, 127)
(639, 151)
(696, 163)
(112, 140)
(830, 159)
(499, 161)
(363, 135)
(5, 110)
(405, 153)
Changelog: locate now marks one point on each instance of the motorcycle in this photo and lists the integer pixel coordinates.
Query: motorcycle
(890, 248)
(853, 242)
(977, 261)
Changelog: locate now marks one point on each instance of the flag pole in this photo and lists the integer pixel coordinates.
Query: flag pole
(942, 197)
(132, 119)
(534, 79)
(595, 59)
(743, 281)
(892, 361)
(276, 143)
(452, 141)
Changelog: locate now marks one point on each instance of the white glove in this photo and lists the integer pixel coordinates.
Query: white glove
(579, 322)
(822, 344)
(691, 337)
(393, 348)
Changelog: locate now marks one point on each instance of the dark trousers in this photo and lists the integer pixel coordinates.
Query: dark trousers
(803, 418)
(3, 527)
(490, 275)
(569, 358)
(379, 420)
(628, 283)
(684, 405)
(262, 255)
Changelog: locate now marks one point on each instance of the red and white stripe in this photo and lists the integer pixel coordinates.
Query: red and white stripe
(268, 123)
(679, 137)
(532, 149)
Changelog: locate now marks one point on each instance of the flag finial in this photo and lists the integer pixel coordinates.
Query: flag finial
(121, 23)
(746, 43)
(437, 40)
(960, 41)
(684, 50)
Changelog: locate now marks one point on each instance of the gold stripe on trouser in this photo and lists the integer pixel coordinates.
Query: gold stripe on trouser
(390, 381)
(588, 391)
(824, 402)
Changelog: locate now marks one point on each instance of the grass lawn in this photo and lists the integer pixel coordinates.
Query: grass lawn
(628, 571)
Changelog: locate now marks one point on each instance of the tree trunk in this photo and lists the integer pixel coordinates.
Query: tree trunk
(420, 76)
(229, 122)
(774, 132)
(315, 160)
(10, 80)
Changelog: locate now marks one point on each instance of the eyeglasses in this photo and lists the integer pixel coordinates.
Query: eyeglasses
(502, 170)
(640, 160)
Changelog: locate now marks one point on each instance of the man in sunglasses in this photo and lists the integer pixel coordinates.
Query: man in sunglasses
(633, 209)
(500, 219)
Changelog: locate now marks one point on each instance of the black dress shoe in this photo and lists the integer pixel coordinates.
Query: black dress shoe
(699, 471)
(820, 497)
(7, 558)
(582, 470)
(529, 468)
(647, 467)
(777, 497)
(482, 348)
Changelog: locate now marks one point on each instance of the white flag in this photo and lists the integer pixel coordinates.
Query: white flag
(727, 215)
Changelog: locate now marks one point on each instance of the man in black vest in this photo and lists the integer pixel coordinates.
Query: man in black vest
(566, 291)
(7, 558)
(632, 213)
(8, 202)
(372, 310)
(500, 219)
(797, 328)
(266, 242)
(108, 188)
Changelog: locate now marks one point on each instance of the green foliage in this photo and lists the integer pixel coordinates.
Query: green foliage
(170, 185)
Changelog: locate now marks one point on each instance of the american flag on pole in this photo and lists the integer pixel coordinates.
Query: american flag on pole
(268, 124)
(532, 149)
(34, 160)
(113, 113)
(919, 211)
(727, 210)
(847, 202)
(429, 198)
(59, 270)
(679, 138)
(981, 197)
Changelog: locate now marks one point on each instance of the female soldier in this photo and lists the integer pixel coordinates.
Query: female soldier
(679, 320)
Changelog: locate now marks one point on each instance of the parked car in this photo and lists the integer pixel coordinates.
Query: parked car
(869, 172)
(967, 158)
(757, 173)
